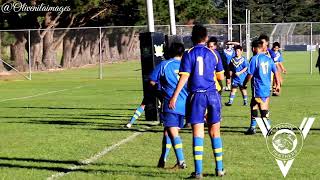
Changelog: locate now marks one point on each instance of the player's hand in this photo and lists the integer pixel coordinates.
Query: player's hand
(278, 88)
(172, 103)
(284, 71)
(228, 81)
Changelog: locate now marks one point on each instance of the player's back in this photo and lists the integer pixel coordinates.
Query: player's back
(260, 68)
(201, 63)
(169, 79)
(230, 53)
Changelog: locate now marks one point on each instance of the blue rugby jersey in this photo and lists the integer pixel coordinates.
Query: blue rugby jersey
(237, 65)
(201, 64)
(260, 68)
(166, 73)
(278, 56)
(230, 53)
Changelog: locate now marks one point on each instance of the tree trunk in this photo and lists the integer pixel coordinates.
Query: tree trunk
(49, 57)
(68, 44)
(36, 54)
(17, 52)
(2, 68)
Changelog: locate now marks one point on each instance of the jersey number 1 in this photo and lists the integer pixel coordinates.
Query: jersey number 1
(264, 67)
(200, 61)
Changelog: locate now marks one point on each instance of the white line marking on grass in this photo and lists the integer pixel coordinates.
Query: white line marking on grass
(96, 156)
(41, 94)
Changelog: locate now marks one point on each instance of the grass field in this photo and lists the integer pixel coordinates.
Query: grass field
(53, 123)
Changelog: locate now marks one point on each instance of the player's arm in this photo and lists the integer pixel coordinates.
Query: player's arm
(219, 71)
(251, 69)
(230, 68)
(233, 43)
(185, 70)
(242, 71)
(182, 81)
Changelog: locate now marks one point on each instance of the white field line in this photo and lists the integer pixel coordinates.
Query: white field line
(95, 157)
(41, 94)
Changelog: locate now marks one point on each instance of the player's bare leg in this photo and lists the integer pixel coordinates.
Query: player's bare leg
(231, 97)
(274, 91)
(264, 112)
(216, 142)
(177, 146)
(254, 107)
(244, 95)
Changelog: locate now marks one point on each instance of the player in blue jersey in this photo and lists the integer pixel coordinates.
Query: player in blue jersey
(229, 53)
(198, 66)
(238, 72)
(265, 46)
(259, 72)
(278, 60)
(213, 45)
(166, 73)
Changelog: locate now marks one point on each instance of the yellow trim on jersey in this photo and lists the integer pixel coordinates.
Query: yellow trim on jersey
(219, 158)
(168, 146)
(220, 72)
(190, 49)
(218, 87)
(213, 54)
(138, 113)
(185, 73)
(135, 116)
(198, 148)
(219, 150)
(198, 157)
(178, 146)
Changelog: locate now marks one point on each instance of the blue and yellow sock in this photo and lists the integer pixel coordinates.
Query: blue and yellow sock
(198, 154)
(217, 150)
(231, 98)
(177, 145)
(253, 123)
(136, 115)
(245, 98)
(166, 146)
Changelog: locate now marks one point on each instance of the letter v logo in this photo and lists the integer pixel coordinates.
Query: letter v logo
(285, 141)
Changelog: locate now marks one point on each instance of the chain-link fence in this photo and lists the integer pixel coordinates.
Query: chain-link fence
(26, 51)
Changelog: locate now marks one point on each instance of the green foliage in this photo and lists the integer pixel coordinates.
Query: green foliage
(7, 39)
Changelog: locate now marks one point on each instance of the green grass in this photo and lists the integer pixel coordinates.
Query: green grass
(45, 135)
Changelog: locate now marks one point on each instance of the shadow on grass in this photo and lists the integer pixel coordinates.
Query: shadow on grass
(70, 117)
(65, 122)
(81, 168)
(76, 108)
(40, 160)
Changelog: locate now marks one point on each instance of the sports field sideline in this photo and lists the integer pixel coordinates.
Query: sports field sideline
(69, 125)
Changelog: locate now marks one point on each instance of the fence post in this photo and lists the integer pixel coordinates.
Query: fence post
(240, 34)
(100, 54)
(248, 32)
(29, 54)
(311, 58)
